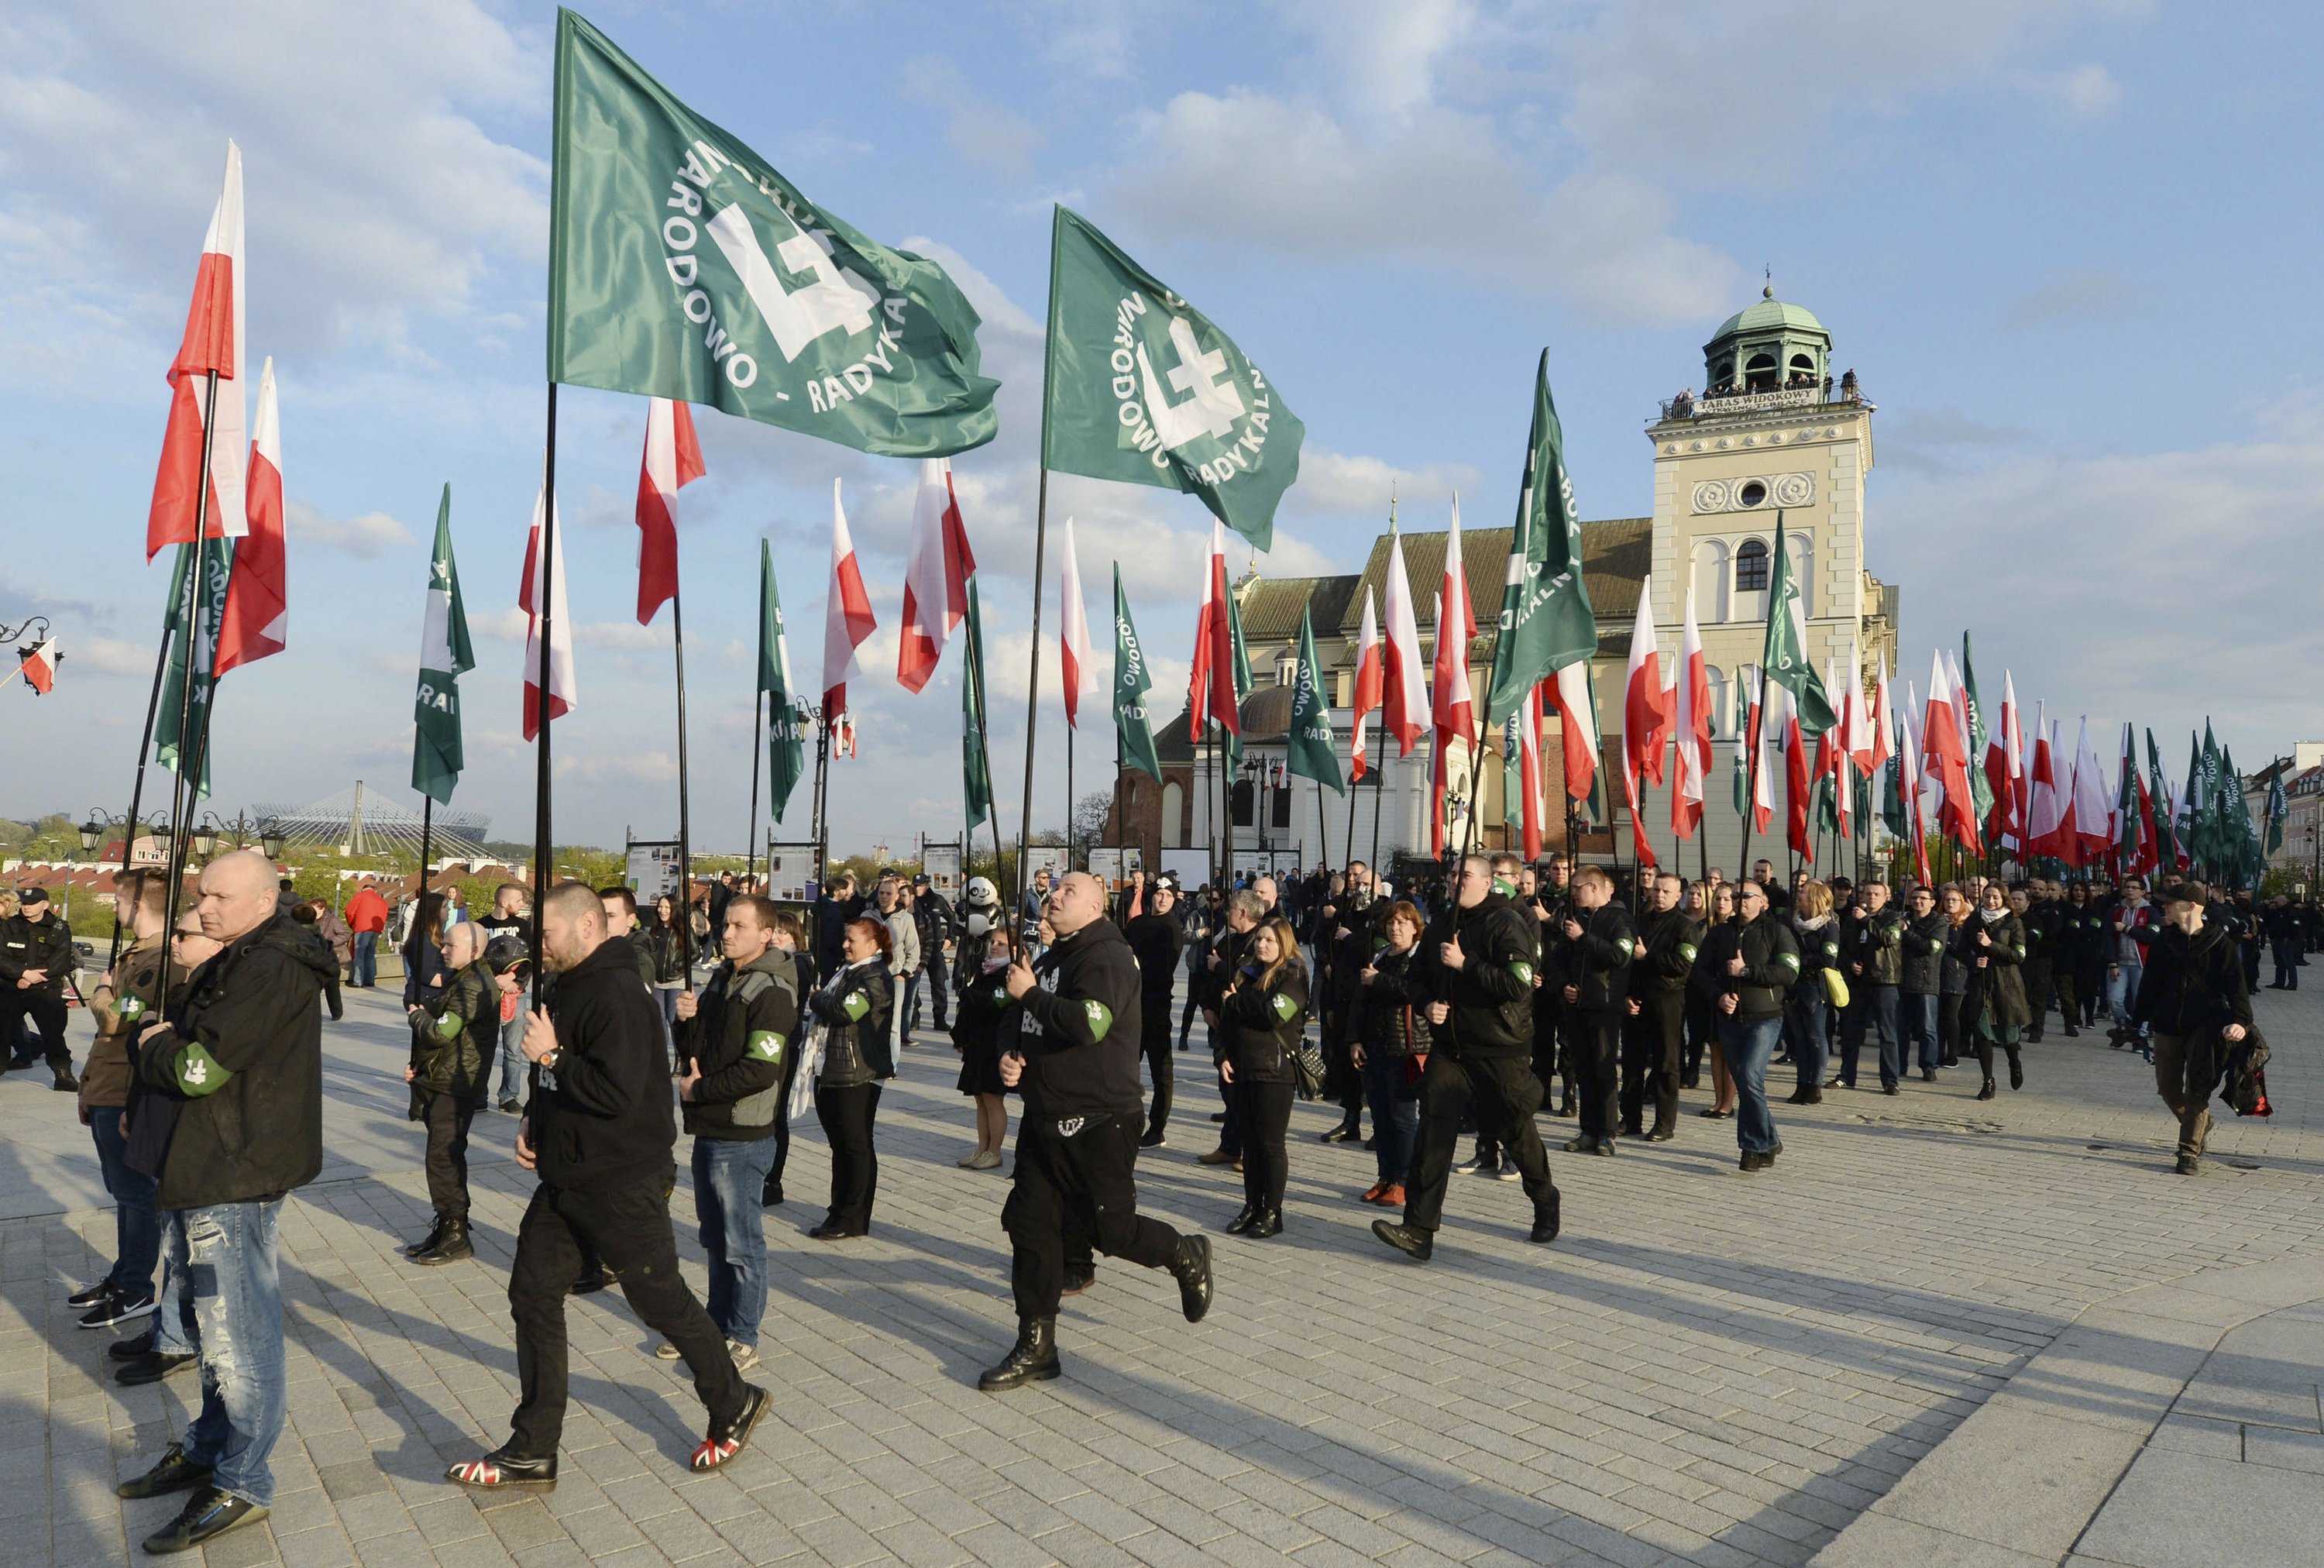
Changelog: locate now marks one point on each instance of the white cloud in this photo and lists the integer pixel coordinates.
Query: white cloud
(2088, 91)
(363, 536)
(109, 656)
(986, 133)
(2087, 293)
(1337, 481)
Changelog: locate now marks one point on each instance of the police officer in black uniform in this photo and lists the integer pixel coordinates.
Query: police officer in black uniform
(36, 954)
(1479, 957)
(1073, 1051)
(1592, 974)
(1667, 941)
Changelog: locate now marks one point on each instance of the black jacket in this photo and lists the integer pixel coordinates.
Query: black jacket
(1996, 992)
(601, 1118)
(1269, 1020)
(1491, 993)
(2193, 983)
(1158, 940)
(1668, 940)
(933, 918)
(744, 1032)
(1390, 1014)
(1924, 941)
(1596, 963)
(856, 1006)
(1079, 1029)
(456, 1039)
(246, 1057)
(44, 945)
(1771, 965)
(1875, 943)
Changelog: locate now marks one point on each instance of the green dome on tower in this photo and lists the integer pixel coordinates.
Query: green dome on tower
(1768, 345)
(1770, 314)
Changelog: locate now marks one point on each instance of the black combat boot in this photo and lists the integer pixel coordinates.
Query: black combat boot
(435, 1235)
(1192, 1268)
(1032, 1360)
(451, 1245)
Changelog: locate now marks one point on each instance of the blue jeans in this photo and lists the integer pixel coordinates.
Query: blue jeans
(1920, 1015)
(729, 1177)
(1873, 1007)
(364, 971)
(1807, 1029)
(230, 1271)
(1748, 1045)
(136, 1229)
(513, 1065)
(2122, 991)
(1395, 1115)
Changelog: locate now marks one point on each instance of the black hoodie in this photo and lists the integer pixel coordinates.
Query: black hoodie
(1079, 1029)
(246, 1059)
(601, 1118)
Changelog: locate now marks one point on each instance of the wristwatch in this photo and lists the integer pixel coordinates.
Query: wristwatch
(548, 1058)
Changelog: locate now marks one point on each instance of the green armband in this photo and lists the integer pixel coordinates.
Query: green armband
(198, 1072)
(1101, 1018)
(1523, 970)
(1790, 961)
(1627, 946)
(856, 1005)
(1285, 1008)
(450, 1026)
(765, 1045)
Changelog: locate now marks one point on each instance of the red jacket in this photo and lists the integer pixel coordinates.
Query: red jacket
(367, 911)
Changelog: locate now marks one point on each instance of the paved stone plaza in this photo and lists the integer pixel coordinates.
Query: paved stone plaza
(1707, 1368)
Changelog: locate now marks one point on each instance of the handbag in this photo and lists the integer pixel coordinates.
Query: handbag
(1835, 988)
(1307, 1066)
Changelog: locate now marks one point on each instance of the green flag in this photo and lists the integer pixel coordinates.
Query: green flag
(1133, 733)
(1892, 800)
(1144, 390)
(445, 656)
(2191, 838)
(1244, 682)
(976, 767)
(218, 559)
(1546, 622)
(1980, 787)
(786, 725)
(1786, 657)
(2278, 809)
(2166, 827)
(681, 265)
(2209, 811)
(1309, 744)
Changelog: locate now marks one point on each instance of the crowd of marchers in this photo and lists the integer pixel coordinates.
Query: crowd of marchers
(1449, 1008)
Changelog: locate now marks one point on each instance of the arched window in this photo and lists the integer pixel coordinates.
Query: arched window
(1751, 567)
(1801, 548)
(1710, 579)
(1715, 679)
(1174, 816)
(1759, 373)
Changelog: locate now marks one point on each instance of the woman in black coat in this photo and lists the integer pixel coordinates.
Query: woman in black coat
(983, 997)
(1268, 1001)
(1991, 948)
(1388, 1026)
(854, 1007)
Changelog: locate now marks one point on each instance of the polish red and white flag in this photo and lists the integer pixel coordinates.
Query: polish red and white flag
(558, 655)
(1403, 692)
(847, 618)
(1210, 688)
(1691, 760)
(1077, 665)
(672, 460)
(1368, 689)
(213, 343)
(935, 576)
(256, 619)
(38, 665)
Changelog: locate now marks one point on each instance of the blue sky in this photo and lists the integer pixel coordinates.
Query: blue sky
(2069, 246)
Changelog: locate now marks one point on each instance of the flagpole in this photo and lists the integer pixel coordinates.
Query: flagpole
(758, 711)
(1012, 919)
(144, 750)
(543, 850)
(181, 805)
(1348, 855)
(1379, 784)
(1072, 732)
(822, 774)
(685, 822)
(1033, 677)
(427, 829)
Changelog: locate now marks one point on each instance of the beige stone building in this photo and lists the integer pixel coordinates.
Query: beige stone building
(1778, 435)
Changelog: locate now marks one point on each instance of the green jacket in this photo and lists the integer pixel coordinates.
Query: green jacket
(455, 1037)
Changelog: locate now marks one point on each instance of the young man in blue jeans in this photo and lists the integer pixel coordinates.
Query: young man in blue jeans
(1756, 962)
(245, 1051)
(737, 1040)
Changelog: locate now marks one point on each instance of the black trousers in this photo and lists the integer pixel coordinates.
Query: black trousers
(938, 980)
(2035, 972)
(629, 1228)
(846, 1115)
(1153, 1039)
(1505, 1094)
(1265, 1110)
(1949, 1028)
(783, 1123)
(447, 1118)
(1650, 1053)
(1593, 1045)
(1085, 1181)
(1702, 1029)
(48, 1015)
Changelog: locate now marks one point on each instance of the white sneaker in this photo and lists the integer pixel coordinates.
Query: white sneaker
(990, 1159)
(666, 1352)
(745, 1356)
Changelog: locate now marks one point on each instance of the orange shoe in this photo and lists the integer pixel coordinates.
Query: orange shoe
(1391, 1196)
(1372, 1193)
